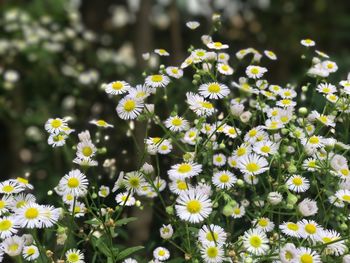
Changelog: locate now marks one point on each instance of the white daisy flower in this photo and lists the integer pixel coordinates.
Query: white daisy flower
(117, 87)
(166, 231)
(177, 124)
(223, 57)
(287, 253)
(308, 207)
(161, 253)
(270, 54)
(265, 148)
(184, 170)
(8, 226)
(224, 69)
(10, 187)
(30, 253)
(255, 72)
(174, 72)
(308, 42)
(6, 202)
(212, 233)
(343, 195)
(86, 149)
(286, 103)
(178, 186)
(264, 224)
(253, 164)
(30, 216)
(217, 45)
(125, 199)
(330, 66)
(231, 132)
(193, 206)
(129, 108)
(255, 241)
(157, 81)
(51, 215)
(103, 191)
(130, 260)
(212, 253)
(313, 142)
(22, 199)
(238, 212)
(13, 246)
(55, 126)
(161, 52)
(337, 248)
(290, 229)
(74, 256)
(326, 88)
(77, 208)
(192, 24)
(133, 181)
(214, 90)
(199, 105)
(309, 228)
(304, 254)
(224, 179)
(101, 123)
(219, 159)
(298, 183)
(75, 183)
(57, 140)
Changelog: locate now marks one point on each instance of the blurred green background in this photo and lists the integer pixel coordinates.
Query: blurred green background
(54, 55)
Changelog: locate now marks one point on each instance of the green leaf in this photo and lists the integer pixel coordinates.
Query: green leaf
(93, 221)
(125, 221)
(123, 254)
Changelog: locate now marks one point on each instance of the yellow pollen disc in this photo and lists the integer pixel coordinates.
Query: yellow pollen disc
(30, 251)
(236, 211)
(292, 226)
(176, 122)
(56, 123)
(184, 168)
(2, 204)
(241, 151)
(297, 181)
(31, 213)
(225, 67)
(8, 188)
(73, 182)
(206, 105)
(134, 182)
(252, 167)
(288, 256)
(311, 229)
(214, 88)
(344, 172)
(306, 258)
(87, 151)
(129, 105)
(21, 204)
(5, 225)
(224, 178)
(22, 180)
(200, 53)
(212, 237)
(255, 241)
(263, 222)
(212, 252)
(73, 257)
(117, 85)
(157, 78)
(326, 239)
(156, 140)
(265, 149)
(175, 71)
(217, 44)
(13, 247)
(252, 133)
(181, 185)
(161, 253)
(101, 123)
(254, 71)
(194, 206)
(314, 140)
(346, 198)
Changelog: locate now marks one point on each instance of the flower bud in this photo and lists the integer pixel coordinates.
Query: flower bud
(227, 210)
(292, 199)
(169, 210)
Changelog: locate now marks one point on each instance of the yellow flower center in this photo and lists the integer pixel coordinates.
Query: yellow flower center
(207, 105)
(181, 185)
(156, 140)
(200, 53)
(237, 211)
(176, 122)
(254, 71)
(157, 78)
(22, 180)
(241, 151)
(194, 206)
(117, 85)
(293, 226)
(212, 252)
(56, 123)
(265, 149)
(101, 123)
(5, 225)
(129, 105)
(21, 204)
(212, 236)
(252, 133)
(13, 247)
(175, 71)
(8, 188)
(73, 182)
(30, 251)
(214, 88)
(255, 241)
(225, 67)
(217, 44)
(306, 258)
(346, 198)
(184, 168)
(252, 167)
(314, 140)
(311, 229)
(297, 181)
(2, 204)
(344, 171)
(87, 151)
(31, 213)
(73, 257)
(161, 253)
(263, 222)
(326, 239)
(224, 178)
(134, 182)
(288, 255)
